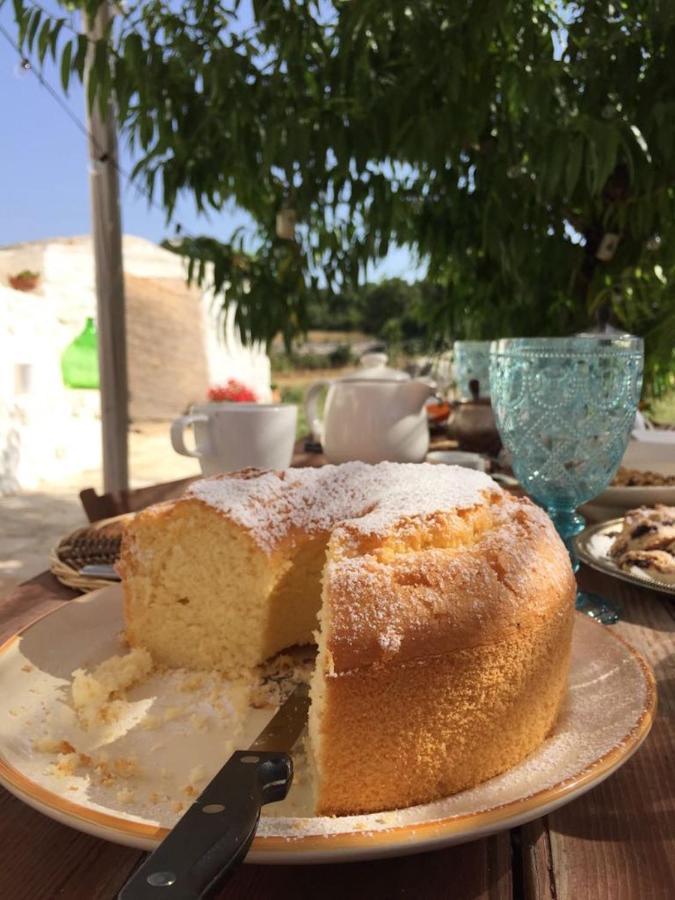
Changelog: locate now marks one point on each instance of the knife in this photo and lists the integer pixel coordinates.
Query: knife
(214, 835)
(100, 570)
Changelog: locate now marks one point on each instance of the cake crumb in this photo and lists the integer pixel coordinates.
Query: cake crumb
(265, 695)
(126, 767)
(96, 694)
(66, 764)
(49, 745)
(26, 667)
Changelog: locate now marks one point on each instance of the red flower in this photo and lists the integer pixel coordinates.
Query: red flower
(233, 392)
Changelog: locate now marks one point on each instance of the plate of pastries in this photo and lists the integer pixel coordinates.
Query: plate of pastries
(639, 547)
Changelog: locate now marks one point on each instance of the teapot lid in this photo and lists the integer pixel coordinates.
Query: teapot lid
(374, 366)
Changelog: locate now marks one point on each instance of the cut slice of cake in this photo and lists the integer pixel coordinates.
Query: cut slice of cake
(201, 592)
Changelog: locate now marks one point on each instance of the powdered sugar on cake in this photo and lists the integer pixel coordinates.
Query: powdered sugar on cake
(370, 499)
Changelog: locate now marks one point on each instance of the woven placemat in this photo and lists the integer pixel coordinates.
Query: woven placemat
(99, 542)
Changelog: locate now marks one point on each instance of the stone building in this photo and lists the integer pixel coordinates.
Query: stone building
(174, 346)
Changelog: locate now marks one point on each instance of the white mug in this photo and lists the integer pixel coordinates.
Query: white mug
(232, 436)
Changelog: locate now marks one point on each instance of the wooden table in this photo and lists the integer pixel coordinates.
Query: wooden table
(614, 843)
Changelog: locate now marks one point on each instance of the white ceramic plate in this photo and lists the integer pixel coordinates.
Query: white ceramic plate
(646, 457)
(592, 546)
(625, 498)
(607, 715)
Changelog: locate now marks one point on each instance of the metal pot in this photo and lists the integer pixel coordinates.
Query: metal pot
(472, 423)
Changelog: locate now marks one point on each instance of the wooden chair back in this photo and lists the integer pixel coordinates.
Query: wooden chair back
(105, 506)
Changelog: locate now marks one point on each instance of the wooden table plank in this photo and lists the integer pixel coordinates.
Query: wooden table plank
(617, 841)
(42, 860)
(29, 601)
(481, 869)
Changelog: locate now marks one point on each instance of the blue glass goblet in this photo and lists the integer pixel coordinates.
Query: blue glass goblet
(565, 408)
(471, 362)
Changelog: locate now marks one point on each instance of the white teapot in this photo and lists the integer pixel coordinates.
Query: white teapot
(374, 414)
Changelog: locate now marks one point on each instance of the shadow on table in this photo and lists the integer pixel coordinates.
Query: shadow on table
(629, 599)
(469, 870)
(598, 820)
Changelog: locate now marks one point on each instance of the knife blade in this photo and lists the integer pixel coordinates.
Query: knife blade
(100, 570)
(203, 848)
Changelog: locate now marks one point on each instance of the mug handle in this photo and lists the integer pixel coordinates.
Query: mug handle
(178, 435)
(312, 409)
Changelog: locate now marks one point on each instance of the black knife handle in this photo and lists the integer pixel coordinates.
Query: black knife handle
(198, 854)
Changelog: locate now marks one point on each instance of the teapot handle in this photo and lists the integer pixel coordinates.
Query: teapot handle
(312, 409)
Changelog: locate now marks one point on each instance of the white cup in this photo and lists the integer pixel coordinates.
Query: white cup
(232, 436)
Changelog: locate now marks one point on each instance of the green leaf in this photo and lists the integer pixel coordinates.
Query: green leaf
(22, 18)
(607, 139)
(574, 162)
(54, 37)
(43, 39)
(555, 169)
(66, 65)
(591, 168)
(33, 27)
(81, 55)
(133, 52)
(92, 89)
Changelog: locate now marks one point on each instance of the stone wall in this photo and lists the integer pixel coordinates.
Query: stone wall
(166, 357)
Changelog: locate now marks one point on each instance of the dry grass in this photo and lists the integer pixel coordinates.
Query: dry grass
(302, 378)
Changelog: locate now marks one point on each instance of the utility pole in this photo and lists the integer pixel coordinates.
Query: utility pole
(110, 305)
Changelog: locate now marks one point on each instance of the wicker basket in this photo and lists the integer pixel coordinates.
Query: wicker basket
(95, 543)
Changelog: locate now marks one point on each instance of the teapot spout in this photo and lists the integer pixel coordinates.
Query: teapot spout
(416, 393)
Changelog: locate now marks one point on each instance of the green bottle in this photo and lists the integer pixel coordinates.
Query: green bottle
(79, 362)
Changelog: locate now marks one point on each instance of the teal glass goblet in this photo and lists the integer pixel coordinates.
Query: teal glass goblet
(471, 363)
(565, 408)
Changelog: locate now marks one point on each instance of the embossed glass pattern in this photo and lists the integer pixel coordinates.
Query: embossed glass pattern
(471, 360)
(565, 408)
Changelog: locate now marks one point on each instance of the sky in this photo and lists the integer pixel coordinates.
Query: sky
(44, 189)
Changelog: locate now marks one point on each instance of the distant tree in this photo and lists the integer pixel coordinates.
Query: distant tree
(336, 311)
(525, 149)
(392, 303)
